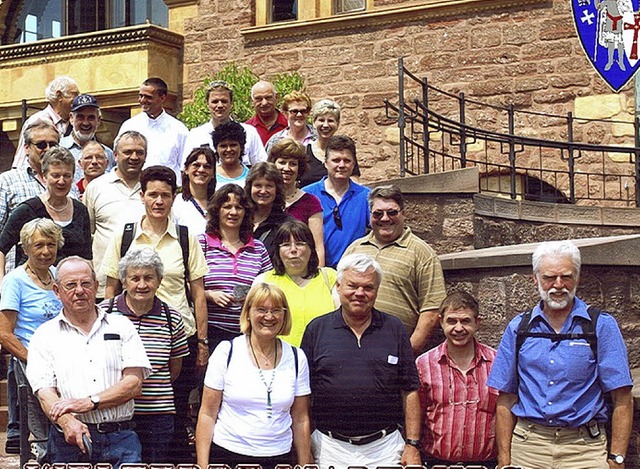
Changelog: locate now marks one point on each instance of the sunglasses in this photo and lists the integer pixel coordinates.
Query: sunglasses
(43, 145)
(219, 84)
(336, 217)
(378, 214)
(302, 112)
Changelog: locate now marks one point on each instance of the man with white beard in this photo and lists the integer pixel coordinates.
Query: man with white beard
(554, 365)
(85, 118)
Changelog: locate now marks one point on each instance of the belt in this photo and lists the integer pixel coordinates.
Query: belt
(110, 427)
(363, 439)
(565, 430)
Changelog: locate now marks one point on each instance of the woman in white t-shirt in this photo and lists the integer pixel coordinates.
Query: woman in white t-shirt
(255, 403)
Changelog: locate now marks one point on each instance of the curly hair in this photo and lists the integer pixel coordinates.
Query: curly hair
(229, 131)
(294, 97)
(268, 171)
(221, 197)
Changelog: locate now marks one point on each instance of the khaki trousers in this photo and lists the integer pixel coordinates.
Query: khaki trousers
(535, 446)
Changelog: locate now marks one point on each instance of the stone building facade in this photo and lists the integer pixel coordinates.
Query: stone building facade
(524, 53)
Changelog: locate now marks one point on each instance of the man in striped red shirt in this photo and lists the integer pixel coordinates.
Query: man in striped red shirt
(457, 405)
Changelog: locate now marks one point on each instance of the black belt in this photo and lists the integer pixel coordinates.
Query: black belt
(361, 440)
(110, 427)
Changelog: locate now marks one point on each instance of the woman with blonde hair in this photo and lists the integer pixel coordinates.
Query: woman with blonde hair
(255, 403)
(296, 105)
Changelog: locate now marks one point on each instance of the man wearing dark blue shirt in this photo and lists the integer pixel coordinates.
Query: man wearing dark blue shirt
(551, 407)
(363, 377)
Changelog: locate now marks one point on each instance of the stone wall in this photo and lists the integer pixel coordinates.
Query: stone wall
(523, 55)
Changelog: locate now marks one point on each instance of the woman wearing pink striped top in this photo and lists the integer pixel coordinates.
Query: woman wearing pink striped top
(234, 258)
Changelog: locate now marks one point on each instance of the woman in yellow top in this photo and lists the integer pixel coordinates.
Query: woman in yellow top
(308, 288)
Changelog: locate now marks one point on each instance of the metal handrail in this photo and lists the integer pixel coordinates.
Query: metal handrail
(567, 171)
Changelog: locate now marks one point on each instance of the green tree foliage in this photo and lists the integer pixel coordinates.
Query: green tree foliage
(241, 79)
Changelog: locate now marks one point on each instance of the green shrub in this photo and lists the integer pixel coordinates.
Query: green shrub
(241, 80)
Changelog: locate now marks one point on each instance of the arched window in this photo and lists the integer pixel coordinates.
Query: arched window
(45, 19)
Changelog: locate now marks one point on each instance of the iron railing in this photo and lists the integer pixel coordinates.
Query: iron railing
(442, 131)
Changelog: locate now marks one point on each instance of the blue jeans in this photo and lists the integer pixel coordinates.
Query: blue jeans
(115, 448)
(155, 433)
(13, 425)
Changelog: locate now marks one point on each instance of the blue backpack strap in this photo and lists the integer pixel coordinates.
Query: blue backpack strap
(295, 358)
(230, 352)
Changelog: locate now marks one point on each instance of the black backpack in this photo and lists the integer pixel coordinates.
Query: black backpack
(183, 238)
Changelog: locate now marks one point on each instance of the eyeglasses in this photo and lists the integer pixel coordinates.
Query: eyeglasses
(43, 145)
(336, 217)
(302, 112)
(297, 244)
(219, 84)
(378, 214)
(273, 311)
(73, 286)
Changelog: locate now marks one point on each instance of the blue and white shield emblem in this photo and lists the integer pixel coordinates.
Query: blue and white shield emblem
(609, 31)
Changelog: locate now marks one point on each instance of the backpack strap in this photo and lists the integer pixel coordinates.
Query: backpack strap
(295, 358)
(230, 352)
(127, 238)
(183, 238)
(167, 313)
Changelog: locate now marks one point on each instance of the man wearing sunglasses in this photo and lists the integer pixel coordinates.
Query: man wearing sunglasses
(413, 285)
(220, 103)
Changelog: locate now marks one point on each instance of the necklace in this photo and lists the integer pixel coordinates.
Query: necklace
(264, 381)
(58, 210)
(47, 283)
(293, 196)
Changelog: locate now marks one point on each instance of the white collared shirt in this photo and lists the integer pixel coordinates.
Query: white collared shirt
(201, 136)
(80, 365)
(166, 137)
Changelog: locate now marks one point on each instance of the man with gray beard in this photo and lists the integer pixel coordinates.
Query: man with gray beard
(554, 365)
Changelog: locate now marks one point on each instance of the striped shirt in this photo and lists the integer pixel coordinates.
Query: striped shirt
(79, 365)
(412, 282)
(459, 409)
(228, 271)
(162, 343)
(16, 186)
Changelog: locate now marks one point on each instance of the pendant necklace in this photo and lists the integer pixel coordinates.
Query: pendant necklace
(264, 381)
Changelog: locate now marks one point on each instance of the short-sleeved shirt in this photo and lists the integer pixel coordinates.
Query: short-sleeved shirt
(166, 138)
(202, 136)
(265, 133)
(357, 385)
(111, 204)
(78, 365)
(227, 271)
(412, 282)
(162, 342)
(458, 409)
(354, 213)
(305, 303)
(243, 424)
(171, 289)
(304, 208)
(559, 383)
(34, 305)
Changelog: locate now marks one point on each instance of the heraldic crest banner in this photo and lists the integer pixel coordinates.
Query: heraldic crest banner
(609, 31)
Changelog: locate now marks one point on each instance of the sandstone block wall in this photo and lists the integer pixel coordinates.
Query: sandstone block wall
(525, 55)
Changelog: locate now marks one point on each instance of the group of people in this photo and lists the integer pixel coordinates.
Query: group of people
(203, 270)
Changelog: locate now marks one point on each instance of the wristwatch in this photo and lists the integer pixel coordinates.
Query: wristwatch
(616, 458)
(415, 443)
(95, 399)
(204, 341)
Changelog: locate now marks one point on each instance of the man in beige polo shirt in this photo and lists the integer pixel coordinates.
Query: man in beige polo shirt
(413, 285)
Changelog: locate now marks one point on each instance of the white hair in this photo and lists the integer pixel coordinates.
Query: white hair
(556, 249)
(60, 84)
(359, 263)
